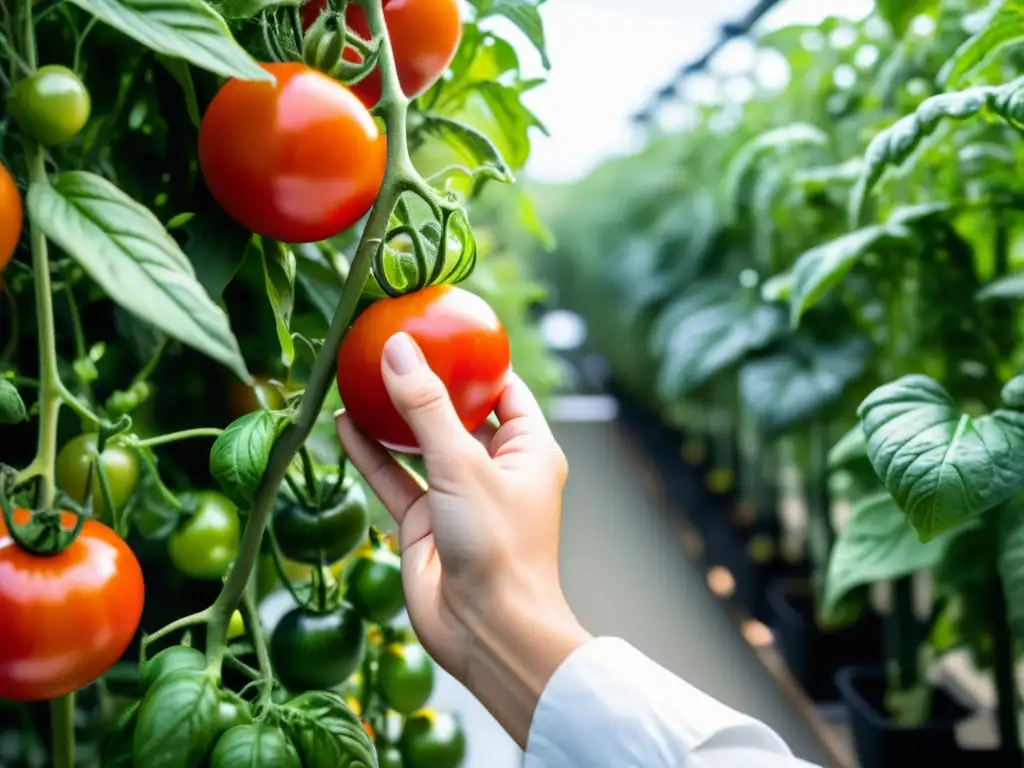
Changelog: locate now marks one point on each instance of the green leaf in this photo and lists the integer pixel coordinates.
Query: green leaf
(1003, 26)
(215, 243)
(183, 75)
(12, 407)
(255, 744)
(525, 14)
(850, 447)
(713, 339)
(240, 454)
(185, 29)
(941, 466)
(877, 544)
(777, 287)
(326, 733)
(250, 9)
(801, 381)
(177, 721)
(279, 275)
(899, 13)
(471, 145)
(319, 279)
(777, 140)
(125, 249)
(823, 267)
(1009, 287)
(895, 145)
(117, 749)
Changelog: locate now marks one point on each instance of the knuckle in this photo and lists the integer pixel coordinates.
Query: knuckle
(427, 396)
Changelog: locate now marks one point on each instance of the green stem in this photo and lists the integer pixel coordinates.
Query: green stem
(78, 333)
(184, 622)
(81, 409)
(903, 636)
(259, 643)
(1004, 672)
(50, 387)
(173, 437)
(62, 716)
(394, 105)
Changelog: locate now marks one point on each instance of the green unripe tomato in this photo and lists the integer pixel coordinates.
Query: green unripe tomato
(119, 464)
(205, 545)
(405, 677)
(375, 585)
(51, 105)
(432, 739)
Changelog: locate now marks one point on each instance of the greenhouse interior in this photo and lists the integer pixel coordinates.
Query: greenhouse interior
(487, 383)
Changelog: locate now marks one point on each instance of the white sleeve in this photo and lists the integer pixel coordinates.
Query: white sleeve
(609, 705)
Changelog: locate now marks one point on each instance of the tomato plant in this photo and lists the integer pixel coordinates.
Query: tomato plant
(299, 161)
(208, 197)
(10, 216)
(92, 589)
(462, 340)
(76, 476)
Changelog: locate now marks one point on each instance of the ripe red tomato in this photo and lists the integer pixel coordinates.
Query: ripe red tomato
(11, 216)
(299, 161)
(424, 36)
(462, 339)
(67, 618)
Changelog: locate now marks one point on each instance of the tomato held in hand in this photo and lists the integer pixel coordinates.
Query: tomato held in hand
(432, 739)
(51, 105)
(314, 651)
(296, 161)
(11, 217)
(405, 677)
(205, 545)
(424, 36)
(462, 339)
(119, 464)
(65, 618)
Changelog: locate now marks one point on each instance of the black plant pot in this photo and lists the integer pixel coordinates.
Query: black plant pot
(881, 743)
(813, 654)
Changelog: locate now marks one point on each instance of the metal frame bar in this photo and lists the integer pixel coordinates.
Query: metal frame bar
(727, 33)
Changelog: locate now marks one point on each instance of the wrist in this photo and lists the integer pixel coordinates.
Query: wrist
(517, 649)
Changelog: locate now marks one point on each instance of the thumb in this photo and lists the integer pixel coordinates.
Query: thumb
(420, 397)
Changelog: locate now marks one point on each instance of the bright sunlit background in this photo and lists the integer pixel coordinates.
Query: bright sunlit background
(608, 57)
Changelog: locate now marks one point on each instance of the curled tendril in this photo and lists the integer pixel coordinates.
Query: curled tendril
(426, 262)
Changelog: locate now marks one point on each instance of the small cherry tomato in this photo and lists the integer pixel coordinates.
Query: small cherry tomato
(432, 739)
(462, 339)
(66, 618)
(120, 465)
(297, 161)
(205, 545)
(51, 105)
(424, 35)
(405, 677)
(374, 585)
(11, 217)
(314, 651)
(306, 536)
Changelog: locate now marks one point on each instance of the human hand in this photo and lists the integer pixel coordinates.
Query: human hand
(480, 544)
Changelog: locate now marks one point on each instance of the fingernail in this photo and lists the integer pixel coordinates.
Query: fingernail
(401, 354)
